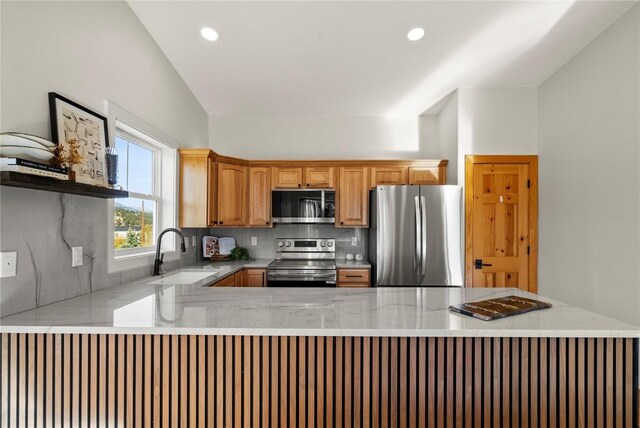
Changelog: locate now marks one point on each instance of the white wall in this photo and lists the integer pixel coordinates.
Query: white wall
(317, 137)
(90, 52)
(448, 137)
(429, 136)
(589, 148)
(496, 121)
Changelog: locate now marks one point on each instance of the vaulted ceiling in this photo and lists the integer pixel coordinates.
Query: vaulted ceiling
(353, 57)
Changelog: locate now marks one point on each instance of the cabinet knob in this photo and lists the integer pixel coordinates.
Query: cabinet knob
(267, 222)
(342, 222)
(299, 185)
(307, 184)
(220, 222)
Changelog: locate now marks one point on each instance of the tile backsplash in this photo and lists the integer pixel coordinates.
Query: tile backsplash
(267, 237)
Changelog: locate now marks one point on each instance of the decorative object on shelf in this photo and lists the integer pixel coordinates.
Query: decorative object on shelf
(111, 155)
(72, 123)
(349, 256)
(239, 253)
(210, 246)
(25, 146)
(25, 166)
(67, 157)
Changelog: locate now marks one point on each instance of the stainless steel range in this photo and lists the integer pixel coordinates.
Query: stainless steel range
(303, 263)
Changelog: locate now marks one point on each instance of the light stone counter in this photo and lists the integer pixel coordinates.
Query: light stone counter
(193, 309)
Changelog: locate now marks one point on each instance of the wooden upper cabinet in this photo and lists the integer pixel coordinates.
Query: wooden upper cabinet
(197, 187)
(287, 178)
(419, 175)
(319, 177)
(259, 196)
(352, 197)
(232, 194)
(388, 175)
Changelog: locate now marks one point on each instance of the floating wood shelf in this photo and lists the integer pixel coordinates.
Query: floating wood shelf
(28, 181)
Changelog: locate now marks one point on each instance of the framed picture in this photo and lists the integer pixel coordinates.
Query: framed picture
(72, 121)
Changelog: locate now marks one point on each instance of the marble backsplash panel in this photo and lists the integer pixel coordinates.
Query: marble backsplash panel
(42, 227)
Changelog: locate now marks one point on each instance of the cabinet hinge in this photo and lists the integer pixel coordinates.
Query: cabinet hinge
(528, 184)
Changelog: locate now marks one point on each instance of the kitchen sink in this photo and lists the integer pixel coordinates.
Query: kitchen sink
(183, 278)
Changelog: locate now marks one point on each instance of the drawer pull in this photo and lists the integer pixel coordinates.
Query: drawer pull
(354, 276)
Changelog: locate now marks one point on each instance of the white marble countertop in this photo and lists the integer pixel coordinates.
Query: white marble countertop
(141, 308)
(354, 264)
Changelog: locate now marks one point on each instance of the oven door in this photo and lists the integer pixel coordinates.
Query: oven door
(301, 278)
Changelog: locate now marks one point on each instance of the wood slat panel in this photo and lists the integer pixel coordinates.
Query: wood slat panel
(143, 380)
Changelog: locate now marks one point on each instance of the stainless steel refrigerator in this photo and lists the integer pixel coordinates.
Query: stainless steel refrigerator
(416, 236)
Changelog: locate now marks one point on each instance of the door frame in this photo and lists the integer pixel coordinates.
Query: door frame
(532, 161)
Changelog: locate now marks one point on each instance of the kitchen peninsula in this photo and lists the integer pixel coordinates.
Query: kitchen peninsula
(182, 355)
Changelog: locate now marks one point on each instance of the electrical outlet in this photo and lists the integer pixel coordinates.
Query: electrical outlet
(354, 241)
(76, 256)
(193, 241)
(254, 240)
(186, 243)
(8, 262)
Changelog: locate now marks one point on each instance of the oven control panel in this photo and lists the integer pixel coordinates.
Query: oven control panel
(302, 245)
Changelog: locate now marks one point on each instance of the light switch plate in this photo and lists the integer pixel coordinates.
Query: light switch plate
(76, 256)
(8, 262)
(254, 240)
(354, 241)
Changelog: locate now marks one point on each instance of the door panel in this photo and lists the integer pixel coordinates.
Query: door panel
(320, 177)
(352, 197)
(501, 225)
(396, 236)
(259, 196)
(232, 195)
(287, 178)
(385, 176)
(443, 258)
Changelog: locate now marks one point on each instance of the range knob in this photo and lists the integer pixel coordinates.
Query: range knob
(329, 244)
(288, 244)
(322, 243)
(280, 244)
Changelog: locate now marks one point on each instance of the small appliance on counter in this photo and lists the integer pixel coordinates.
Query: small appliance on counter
(303, 263)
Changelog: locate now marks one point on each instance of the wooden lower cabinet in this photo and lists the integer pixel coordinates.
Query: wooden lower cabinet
(354, 277)
(244, 278)
(294, 381)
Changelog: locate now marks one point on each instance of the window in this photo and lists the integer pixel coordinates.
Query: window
(136, 218)
(147, 169)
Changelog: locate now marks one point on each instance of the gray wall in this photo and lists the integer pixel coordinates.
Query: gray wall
(589, 148)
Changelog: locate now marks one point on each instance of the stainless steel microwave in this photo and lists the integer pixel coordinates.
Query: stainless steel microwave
(303, 206)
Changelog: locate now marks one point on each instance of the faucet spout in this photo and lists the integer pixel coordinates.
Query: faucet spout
(157, 264)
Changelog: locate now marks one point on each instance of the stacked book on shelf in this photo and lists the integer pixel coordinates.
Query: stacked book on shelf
(25, 166)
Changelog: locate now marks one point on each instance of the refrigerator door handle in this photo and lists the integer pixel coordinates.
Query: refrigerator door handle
(418, 228)
(423, 238)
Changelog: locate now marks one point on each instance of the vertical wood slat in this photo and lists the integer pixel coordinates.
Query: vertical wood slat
(106, 380)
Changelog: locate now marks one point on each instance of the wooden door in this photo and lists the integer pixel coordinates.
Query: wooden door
(259, 196)
(320, 177)
(287, 178)
(352, 198)
(255, 277)
(388, 175)
(501, 223)
(232, 195)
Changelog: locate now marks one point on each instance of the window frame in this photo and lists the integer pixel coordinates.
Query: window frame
(156, 190)
(165, 182)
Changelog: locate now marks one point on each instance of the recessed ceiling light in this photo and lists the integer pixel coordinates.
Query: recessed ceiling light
(210, 33)
(415, 34)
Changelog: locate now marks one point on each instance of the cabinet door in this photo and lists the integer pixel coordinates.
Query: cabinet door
(212, 190)
(353, 277)
(229, 281)
(259, 196)
(195, 187)
(287, 178)
(353, 197)
(388, 175)
(425, 175)
(232, 195)
(255, 277)
(320, 177)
